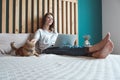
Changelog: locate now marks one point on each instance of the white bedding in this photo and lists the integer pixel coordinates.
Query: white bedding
(55, 67)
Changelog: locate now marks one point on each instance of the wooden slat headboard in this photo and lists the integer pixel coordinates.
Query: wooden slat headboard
(24, 16)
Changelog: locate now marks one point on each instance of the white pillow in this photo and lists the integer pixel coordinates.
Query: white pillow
(7, 38)
(65, 40)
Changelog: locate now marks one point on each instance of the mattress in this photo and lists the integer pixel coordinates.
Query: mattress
(56, 67)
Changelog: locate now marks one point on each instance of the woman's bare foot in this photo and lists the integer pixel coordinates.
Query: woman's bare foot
(103, 53)
(100, 45)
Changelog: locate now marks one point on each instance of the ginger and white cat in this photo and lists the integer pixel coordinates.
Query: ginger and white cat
(28, 49)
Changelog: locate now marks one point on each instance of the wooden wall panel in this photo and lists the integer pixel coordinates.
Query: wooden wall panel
(50, 6)
(25, 16)
(59, 16)
(45, 6)
(11, 16)
(17, 16)
(35, 16)
(55, 13)
(64, 17)
(3, 16)
(76, 18)
(40, 12)
(29, 21)
(23, 27)
(68, 18)
(72, 18)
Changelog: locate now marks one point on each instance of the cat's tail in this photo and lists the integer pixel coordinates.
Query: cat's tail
(13, 46)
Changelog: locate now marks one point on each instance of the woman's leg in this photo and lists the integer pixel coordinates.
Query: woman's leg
(103, 53)
(84, 51)
(99, 45)
(71, 51)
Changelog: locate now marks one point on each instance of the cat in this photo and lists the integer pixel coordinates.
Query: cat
(28, 49)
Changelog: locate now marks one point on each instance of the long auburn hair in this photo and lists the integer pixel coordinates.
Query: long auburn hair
(51, 28)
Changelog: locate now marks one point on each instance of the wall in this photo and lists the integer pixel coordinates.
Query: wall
(111, 21)
(90, 20)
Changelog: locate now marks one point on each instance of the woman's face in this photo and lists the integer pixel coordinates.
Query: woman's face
(49, 20)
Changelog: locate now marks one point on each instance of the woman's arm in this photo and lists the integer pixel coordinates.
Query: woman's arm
(36, 36)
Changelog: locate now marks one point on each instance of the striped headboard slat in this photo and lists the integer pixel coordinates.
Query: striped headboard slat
(50, 5)
(17, 18)
(29, 17)
(67, 17)
(59, 24)
(64, 17)
(76, 18)
(4, 16)
(55, 12)
(10, 17)
(25, 16)
(45, 6)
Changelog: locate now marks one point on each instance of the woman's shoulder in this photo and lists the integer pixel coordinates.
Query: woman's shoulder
(39, 30)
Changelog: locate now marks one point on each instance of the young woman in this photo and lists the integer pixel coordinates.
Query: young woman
(46, 37)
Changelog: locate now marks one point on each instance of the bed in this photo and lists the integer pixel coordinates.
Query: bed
(56, 67)
(20, 18)
(51, 66)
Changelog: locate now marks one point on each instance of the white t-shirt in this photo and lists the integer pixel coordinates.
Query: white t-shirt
(44, 39)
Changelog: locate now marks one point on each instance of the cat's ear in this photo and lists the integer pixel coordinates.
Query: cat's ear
(33, 40)
(28, 41)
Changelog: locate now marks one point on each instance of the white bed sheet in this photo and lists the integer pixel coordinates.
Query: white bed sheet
(56, 67)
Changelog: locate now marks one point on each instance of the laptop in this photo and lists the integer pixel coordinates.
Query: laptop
(64, 40)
